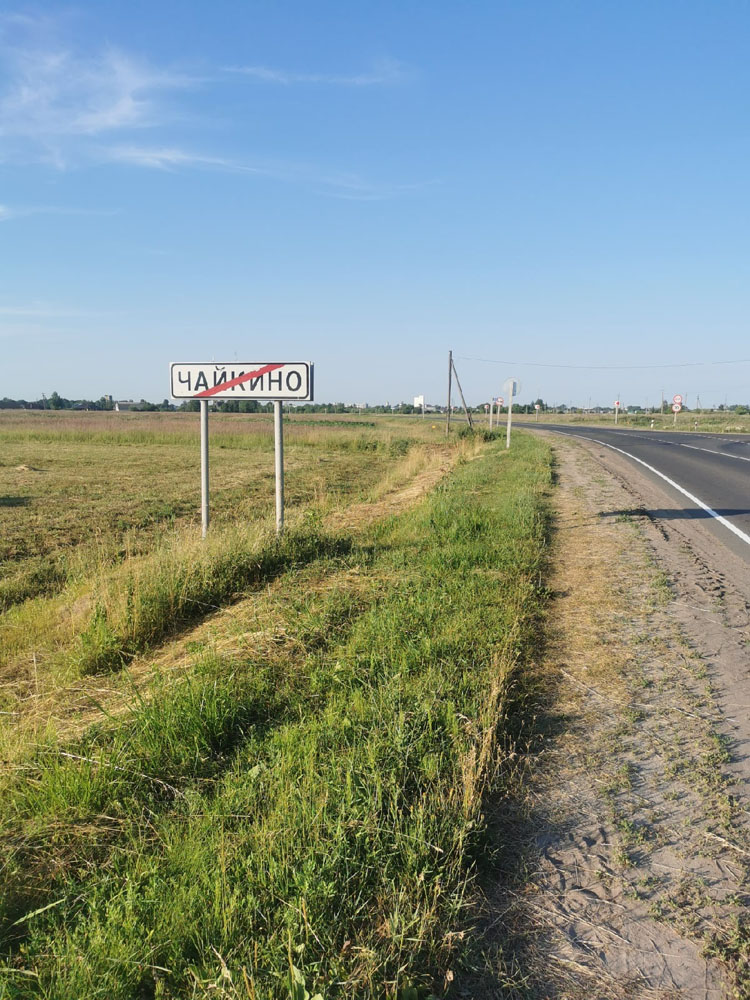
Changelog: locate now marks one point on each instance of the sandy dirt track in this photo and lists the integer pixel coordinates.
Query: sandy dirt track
(636, 826)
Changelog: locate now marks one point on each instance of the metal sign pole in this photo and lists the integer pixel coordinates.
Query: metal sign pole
(492, 407)
(278, 429)
(510, 414)
(204, 467)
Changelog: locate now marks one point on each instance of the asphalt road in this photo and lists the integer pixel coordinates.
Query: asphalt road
(705, 476)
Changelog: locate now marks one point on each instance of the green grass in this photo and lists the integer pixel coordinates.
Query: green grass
(311, 815)
(81, 489)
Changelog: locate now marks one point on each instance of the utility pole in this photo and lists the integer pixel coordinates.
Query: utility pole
(450, 379)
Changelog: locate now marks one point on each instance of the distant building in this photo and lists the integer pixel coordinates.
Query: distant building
(125, 404)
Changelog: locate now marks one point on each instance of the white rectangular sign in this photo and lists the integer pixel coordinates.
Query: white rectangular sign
(242, 380)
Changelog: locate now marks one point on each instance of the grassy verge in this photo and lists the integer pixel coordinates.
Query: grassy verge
(711, 422)
(278, 825)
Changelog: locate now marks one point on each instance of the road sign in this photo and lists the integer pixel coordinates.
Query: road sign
(500, 401)
(242, 380)
(677, 398)
(276, 380)
(676, 407)
(537, 406)
(617, 403)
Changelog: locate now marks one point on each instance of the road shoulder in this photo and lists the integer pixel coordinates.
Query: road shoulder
(634, 833)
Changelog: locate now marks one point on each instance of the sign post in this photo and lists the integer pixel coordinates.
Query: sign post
(498, 402)
(204, 467)
(511, 387)
(283, 380)
(676, 405)
(278, 436)
(617, 410)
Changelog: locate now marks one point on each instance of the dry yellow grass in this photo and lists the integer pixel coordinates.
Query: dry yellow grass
(41, 688)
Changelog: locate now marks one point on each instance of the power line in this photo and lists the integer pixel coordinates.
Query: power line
(611, 368)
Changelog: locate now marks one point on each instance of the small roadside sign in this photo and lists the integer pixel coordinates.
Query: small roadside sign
(511, 388)
(677, 398)
(242, 380)
(273, 380)
(537, 406)
(676, 407)
(617, 404)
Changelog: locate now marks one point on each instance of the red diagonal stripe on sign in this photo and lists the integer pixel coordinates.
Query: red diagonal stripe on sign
(236, 381)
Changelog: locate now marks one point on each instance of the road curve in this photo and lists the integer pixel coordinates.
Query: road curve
(705, 476)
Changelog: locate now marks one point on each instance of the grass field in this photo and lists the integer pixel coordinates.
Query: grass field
(710, 422)
(77, 490)
(250, 768)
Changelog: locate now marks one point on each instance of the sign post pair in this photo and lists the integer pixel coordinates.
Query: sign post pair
(496, 401)
(276, 381)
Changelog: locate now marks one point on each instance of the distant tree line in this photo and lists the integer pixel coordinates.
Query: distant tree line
(57, 402)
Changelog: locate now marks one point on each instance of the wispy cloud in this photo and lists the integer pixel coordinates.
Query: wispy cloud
(51, 94)
(44, 320)
(68, 108)
(170, 158)
(8, 212)
(335, 184)
(41, 311)
(385, 72)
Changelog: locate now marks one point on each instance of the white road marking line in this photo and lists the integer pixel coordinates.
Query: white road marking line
(680, 489)
(721, 454)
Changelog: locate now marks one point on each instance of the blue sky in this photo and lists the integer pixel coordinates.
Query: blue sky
(366, 185)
